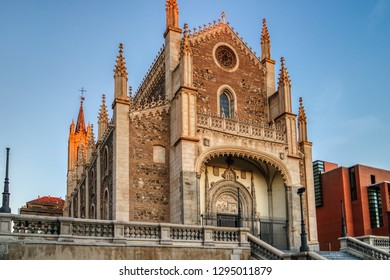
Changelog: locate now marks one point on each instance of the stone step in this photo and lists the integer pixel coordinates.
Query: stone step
(337, 255)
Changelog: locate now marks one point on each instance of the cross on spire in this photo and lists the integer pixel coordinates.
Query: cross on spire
(82, 98)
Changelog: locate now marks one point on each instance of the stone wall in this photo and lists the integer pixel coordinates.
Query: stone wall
(247, 81)
(92, 190)
(69, 251)
(106, 180)
(149, 165)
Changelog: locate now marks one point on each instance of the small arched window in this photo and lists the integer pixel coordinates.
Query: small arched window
(105, 161)
(92, 212)
(226, 104)
(106, 208)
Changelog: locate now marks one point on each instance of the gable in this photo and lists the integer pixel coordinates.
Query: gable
(221, 60)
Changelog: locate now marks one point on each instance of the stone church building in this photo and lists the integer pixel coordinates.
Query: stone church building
(209, 138)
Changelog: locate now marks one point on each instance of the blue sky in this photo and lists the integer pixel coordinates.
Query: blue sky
(337, 54)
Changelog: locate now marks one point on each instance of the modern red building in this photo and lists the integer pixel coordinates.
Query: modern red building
(360, 194)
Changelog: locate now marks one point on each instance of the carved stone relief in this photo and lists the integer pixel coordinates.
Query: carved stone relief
(226, 204)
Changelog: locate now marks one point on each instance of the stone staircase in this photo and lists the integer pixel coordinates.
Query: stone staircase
(337, 255)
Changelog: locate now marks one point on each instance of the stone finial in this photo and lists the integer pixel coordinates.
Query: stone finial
(284, 79)
(302, 113)
(172, 14)
(302, 123)
(103, 113)
(223, 17)
(264, 32)
(131, 92)
(265, 42)
(91, 137)
(120, 68)
(185, 46)
(102, 118)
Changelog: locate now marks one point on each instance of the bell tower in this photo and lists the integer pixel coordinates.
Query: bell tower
(77, 147)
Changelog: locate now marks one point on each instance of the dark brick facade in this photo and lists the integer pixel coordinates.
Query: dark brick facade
(248, 81)
(149, 181)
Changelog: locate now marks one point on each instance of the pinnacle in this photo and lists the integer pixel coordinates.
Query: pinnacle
(264, 33)
(120, 68)
(103, 113)
(302, 113)
(131, 92)
(283, 76)
(91, 140)
(223, 17)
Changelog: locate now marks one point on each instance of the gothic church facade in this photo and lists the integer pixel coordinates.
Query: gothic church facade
(209, 138)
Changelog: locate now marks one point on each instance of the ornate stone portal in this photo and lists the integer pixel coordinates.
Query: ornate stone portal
(247, 192)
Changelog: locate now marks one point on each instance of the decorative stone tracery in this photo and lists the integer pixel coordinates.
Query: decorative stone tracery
(246, 154)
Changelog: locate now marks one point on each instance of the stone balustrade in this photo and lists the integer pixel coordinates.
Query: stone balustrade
(64, 229)
(233, 126)
(361, 249)
(264, 251)
(381, 242)
(36, 230)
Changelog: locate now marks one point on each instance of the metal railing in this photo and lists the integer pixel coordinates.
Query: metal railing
(272, 231)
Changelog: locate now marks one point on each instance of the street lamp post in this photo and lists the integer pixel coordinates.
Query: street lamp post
(5, 206)
(304, 247)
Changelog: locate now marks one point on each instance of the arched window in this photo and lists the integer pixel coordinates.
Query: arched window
(105, 161)
(106, 208)
(92, 212)
(226, 104)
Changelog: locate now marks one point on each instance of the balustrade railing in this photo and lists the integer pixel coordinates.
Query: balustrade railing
(382, 242)
(36, 225)
(142, 232)
(361, 249)
(262, 250)
(80, 230)
(260, 131)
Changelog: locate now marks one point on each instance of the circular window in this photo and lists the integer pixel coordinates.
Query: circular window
(226, 57)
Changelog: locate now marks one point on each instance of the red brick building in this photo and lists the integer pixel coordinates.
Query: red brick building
(363, 192)
(44, 206)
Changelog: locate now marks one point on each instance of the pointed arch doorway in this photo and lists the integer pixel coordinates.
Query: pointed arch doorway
(244, 192)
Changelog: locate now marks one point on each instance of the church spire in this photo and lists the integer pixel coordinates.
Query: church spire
(172, 14)
(80, 125)
(265, 42)
(120, 76)
(302, 123)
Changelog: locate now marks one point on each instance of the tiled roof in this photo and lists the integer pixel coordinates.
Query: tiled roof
(48, 200)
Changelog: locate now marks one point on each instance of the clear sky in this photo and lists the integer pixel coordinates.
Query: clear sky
(337, 53)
